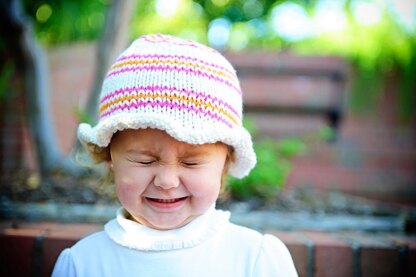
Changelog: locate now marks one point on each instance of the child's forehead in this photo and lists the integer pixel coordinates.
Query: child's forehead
(157, 140)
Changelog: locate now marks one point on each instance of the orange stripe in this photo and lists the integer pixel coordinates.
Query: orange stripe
(184, 99)
(149, 61)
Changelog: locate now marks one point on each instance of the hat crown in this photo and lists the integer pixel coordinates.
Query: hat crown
(182, 87)
(168, 76)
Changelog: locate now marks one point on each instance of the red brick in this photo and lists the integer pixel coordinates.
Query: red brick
(22, 232)
(333, 257)
(73, 231)
(412, 262)
(284, 126)
(376, 261)
(17, 252)
(297, 249)
(285, 60)
(287, 91)
(72, 72)
(40, 226)
(62, 236)
(378, 256)
(409, 244)
(51, 248)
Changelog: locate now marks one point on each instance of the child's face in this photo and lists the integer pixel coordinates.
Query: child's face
(164, 183)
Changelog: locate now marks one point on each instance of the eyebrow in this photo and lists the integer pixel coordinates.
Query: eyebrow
(140, 152)
(194, 153)
(189, 153)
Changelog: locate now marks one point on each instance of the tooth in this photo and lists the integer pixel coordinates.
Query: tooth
(166, 201)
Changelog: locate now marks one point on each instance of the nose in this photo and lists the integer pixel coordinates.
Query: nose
(167, 177)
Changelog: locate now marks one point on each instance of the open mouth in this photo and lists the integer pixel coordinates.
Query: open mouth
(166, 201)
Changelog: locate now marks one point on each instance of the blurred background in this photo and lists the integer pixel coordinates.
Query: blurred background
(329, 90)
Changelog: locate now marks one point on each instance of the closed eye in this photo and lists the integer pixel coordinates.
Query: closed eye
(190, 163)
(146, 162)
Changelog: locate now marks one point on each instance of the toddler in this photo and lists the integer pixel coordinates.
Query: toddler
(170, 128)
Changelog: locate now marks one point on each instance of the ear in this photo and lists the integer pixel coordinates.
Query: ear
(230, 157)
(109, 157)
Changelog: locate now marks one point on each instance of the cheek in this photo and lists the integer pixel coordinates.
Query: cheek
(125, 187)
(130, 183)
(205, 183)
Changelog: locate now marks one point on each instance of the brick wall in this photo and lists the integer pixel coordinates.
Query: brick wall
(32, 250)
(374, 155)
(14, 140)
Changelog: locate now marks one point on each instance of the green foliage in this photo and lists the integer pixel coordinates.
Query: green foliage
(326, 133)
(187, 21)
(62, 21)
(374, 52)
(287, 148)
(407, 89)
(6, 75)
(271, 171)
(83, 116)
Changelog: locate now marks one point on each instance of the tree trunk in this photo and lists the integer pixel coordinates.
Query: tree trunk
(31, 64)
(30, 60)
(113, 41)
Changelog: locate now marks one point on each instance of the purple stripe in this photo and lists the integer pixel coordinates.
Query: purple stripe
(133, 57)
(196, 72)
(166, 104)
(159, 88)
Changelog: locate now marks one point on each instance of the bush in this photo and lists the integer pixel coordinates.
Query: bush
(273, 166)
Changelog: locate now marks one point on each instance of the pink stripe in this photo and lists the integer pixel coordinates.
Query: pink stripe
(196, 72)
(162, 39)
(158, 88)
(166, 104)
(133, 57)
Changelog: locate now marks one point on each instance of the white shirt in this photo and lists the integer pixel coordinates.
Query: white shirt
(207, 246)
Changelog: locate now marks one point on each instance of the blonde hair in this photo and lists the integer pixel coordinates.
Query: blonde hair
(99, 154)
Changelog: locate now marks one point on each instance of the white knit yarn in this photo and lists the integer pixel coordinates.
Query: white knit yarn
(179, 86)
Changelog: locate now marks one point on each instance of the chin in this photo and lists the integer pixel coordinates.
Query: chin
(169, 225)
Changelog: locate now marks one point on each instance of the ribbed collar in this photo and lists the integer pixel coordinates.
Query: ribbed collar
(134, 235)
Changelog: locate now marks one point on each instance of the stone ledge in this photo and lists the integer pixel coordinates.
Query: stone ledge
(31, 249)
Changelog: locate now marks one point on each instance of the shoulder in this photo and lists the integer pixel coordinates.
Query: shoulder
(242, 241)
(64, 266)
(86, 256)
(240, 237)
(244, 235)
(91, 239)
(268, 254)
(274, 258)
(243, 232)
(95, 242)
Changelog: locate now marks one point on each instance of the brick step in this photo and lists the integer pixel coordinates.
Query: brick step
(358, 136)
(367, 137)
(288, 91)
(282, 60)
(283, 126)
(350, 254)
(396, 185)
(344, 155)
(32, 249)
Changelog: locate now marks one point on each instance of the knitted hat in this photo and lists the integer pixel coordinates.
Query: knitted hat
(184, 88)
